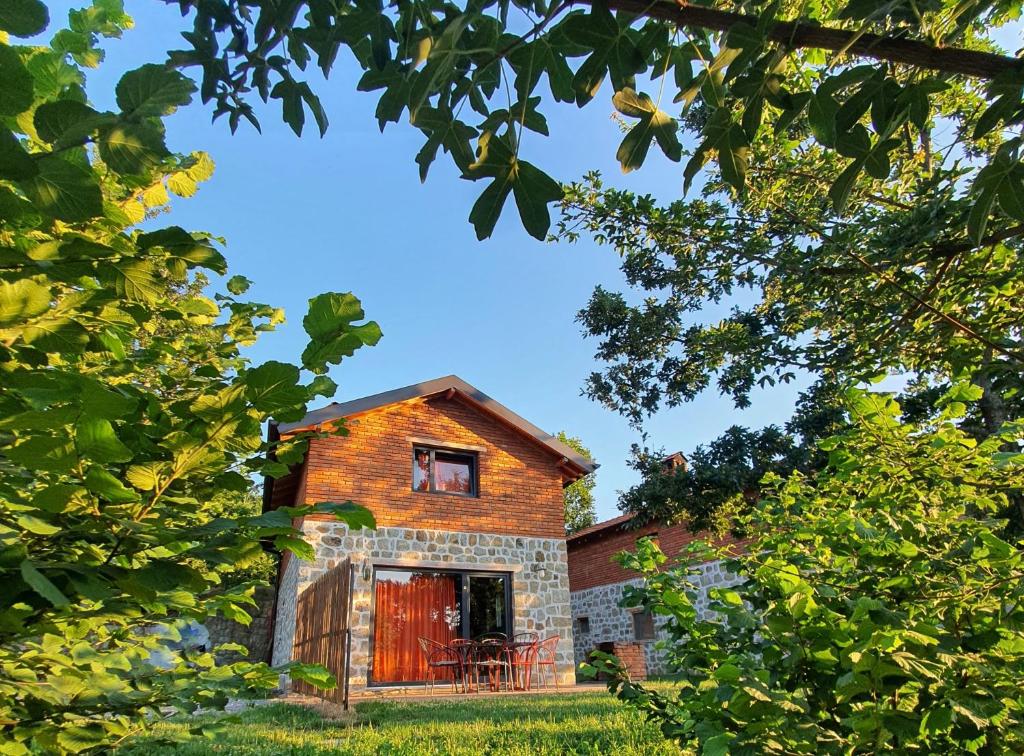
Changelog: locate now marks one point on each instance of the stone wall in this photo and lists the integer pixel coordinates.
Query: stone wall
(287, 598)
(255, 636)
(539, 574)
(611, 623)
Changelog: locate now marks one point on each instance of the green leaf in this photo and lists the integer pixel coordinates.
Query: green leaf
(95, 439)
(23, 18)
(297, 546)
(654, 123)
(238, 285)
(353, 515)
(534, 190)
(314, 674)
(732, 157)
(37, 525)
(329, 323)
(15, 82)
(977, 219)
(67, 122)
(330, 312)
(22, 300)
(821, 115)
(274, 386)
(15, 162)
(43, 453)
(153, 90)
(38, 582)
(78, 738)
(840, 190)
(488, 206)
(107, 487)
(145, 477)
(131, 149)
(64, 190)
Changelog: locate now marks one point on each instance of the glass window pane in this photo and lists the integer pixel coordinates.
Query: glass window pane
(410, 605)
(487, 605)
(421, 470)
(453, 472)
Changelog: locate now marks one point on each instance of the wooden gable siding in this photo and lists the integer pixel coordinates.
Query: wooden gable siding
(520, 484)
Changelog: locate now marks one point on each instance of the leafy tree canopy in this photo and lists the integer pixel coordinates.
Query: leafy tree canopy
(126, 404)
(877, 608)
(853, 89)
(580, 511)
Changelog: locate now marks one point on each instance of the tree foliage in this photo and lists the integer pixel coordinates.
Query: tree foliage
(877, 608)
(580, 511)
(860, 83)
(723, 478)
(126, 405)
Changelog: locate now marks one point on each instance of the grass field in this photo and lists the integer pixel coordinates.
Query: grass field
(579, 723)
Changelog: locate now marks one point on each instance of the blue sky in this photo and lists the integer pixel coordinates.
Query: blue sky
(348, 213)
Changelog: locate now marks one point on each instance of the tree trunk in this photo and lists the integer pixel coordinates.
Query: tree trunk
(795, 34)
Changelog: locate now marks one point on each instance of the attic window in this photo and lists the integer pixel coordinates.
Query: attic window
(442, 471)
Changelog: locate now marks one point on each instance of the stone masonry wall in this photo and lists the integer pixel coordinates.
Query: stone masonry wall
(539, 573)
(610, 622)
(255, 636)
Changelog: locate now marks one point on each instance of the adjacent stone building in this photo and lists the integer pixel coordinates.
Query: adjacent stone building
(596, 584)
(470, 535)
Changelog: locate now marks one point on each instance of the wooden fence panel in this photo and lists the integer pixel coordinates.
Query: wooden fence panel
(321, 630)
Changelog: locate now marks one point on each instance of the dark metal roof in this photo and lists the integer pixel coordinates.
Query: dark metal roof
(449, 383)
(615, 522)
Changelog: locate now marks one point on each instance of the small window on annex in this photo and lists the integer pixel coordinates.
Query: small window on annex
(643, 626)
(441, 471)
(583, 624)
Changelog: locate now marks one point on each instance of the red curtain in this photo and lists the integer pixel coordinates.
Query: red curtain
(407, 608)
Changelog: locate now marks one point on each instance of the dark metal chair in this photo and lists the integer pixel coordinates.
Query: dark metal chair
(465, 649)
(492, 657)
(547, 653)
(440, 656)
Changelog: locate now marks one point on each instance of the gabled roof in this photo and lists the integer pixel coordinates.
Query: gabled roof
(619, 522)
(456, 388)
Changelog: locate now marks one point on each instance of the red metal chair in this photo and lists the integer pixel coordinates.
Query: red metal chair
(522, 657)
(440, 656)
(547, 653)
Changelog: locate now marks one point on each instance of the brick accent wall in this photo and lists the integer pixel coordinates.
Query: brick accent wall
(590, 557)
(520, 484)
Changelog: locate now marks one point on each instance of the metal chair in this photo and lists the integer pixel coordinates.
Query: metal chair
(522, 657)
(439, 656)
(547, 653)
(465, 650)
(492, 656)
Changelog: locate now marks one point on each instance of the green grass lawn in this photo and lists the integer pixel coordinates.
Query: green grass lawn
(584, 723)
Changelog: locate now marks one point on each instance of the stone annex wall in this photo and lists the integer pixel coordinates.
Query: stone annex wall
(539, 573)
(610, 622)
(255, 636)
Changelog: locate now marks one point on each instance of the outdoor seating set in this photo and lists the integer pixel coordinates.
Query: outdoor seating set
(491, 657)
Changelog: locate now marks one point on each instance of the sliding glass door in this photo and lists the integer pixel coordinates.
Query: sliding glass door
(436, 605)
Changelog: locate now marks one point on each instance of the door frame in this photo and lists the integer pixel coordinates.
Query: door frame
(463, 607)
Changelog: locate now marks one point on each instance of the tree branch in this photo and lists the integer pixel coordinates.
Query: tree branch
(797, 34)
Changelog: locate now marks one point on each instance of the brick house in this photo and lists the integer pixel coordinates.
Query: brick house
(470, 533)
(596, 583)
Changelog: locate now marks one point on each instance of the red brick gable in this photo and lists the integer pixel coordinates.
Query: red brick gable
(591, 550)
(520, 483)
